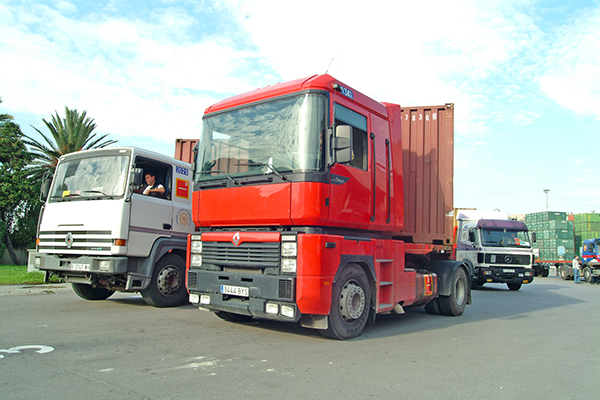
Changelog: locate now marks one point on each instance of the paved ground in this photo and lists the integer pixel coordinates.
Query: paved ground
(22, 290)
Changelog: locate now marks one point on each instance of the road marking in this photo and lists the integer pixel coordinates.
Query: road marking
(41, 349)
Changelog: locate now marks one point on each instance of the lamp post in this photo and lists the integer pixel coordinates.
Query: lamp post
(546, 191)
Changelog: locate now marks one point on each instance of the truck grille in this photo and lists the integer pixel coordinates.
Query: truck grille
(250, 255)
(74, 242)
(505, 259)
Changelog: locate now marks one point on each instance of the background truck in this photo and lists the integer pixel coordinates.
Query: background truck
(99, 232)
(493, 247)
(318, 204)
(589, 261)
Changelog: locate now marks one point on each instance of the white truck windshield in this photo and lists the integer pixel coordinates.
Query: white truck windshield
(505, 238)
(89, 178)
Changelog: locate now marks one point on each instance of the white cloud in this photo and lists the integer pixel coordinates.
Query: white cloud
(572, 76)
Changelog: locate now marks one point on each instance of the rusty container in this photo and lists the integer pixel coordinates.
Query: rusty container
(428, 171)
(184, 149)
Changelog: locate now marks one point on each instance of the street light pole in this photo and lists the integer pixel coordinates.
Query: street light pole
(546, 191)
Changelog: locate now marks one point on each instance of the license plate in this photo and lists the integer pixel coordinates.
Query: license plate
(80, 267)
(508, 270)
(235, 290)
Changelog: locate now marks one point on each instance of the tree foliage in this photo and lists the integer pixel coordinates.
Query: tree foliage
(19, 205)
(5, 117)
(69, 134)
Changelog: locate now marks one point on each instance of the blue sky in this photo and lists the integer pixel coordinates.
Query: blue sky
(524, 75)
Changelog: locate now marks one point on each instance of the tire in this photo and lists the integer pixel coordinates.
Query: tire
(454, 305)
(231, 317)
(89, 292)
(433, 307)
(350, 304)
(563, 273)
(545, 273)
(514, 286)
(167, 288)
(587, 274)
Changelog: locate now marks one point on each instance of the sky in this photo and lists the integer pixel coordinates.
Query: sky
(524, 75)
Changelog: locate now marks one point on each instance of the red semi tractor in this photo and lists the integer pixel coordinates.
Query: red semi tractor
(315, 203)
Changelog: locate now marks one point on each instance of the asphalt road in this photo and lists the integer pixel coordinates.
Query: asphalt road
(537, 343)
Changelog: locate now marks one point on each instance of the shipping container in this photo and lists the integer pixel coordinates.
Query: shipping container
(428, 165)
(184, 149)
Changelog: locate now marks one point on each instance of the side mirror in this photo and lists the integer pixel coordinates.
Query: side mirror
(533, 237)
(45, 188)
(137, 176)
(342, 144)
(471, 236)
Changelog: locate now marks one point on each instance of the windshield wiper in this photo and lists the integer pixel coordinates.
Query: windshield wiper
(235, 182)
(271, 167)
(99, 192)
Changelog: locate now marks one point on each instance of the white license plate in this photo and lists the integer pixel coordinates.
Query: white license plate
(507, 270)
(235, 290)
(80, 267)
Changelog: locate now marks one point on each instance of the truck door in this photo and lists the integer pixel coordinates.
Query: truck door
(151, 216)
(350, 189)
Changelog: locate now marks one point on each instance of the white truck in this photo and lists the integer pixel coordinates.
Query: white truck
(494, 248)
(98, 231)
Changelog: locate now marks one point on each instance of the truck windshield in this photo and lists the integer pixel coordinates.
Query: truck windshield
(505, 238)
(275, 137)
(90, 178)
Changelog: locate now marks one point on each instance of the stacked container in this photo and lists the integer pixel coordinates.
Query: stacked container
(586, 226)
(555, 235)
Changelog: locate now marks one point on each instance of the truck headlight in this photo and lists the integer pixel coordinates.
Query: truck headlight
(196, 260)
(288, 265)
(289, 249)
(288, 311)
(196, 246)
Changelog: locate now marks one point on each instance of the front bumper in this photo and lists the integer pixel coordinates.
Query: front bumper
(82, 264)
(505, 275)
(264, 292)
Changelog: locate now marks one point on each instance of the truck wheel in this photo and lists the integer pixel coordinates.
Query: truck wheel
(587, 274)
(167, 288)
(231, 317)
(350, 304)
(563, 273)
(514, 286)
(89, 292)
(455, 304)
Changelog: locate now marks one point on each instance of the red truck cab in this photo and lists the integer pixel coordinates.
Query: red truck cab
(299, 207)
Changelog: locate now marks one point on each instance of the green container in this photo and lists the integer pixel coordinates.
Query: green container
(554, 216)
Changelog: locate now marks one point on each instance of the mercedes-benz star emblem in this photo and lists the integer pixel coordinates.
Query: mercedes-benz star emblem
(508, 259)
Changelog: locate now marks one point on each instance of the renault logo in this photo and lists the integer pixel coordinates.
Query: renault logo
(508, 259)
(69, 240)
(236, 239)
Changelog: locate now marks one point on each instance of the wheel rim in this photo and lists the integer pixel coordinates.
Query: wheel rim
(460, 291)
(169, 280)
(352, 301)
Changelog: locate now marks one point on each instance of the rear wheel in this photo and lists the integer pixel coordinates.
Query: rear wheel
(455, 304)
(514, 286)
(563, 273)
(89, 292)
(167, 288)
(350, 304)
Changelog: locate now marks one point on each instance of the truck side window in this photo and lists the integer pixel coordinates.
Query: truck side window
(345, 116)
(161, 173)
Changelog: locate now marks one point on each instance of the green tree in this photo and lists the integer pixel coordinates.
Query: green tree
(4, 117)
(18, 196)
(69, 134)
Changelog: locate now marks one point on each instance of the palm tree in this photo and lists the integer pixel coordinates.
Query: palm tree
(4, 117)
(72, 133)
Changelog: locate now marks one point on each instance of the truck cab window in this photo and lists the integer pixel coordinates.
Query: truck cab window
(156, 180)
(345, 116)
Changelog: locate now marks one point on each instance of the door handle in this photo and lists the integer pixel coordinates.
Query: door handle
(167, 226)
